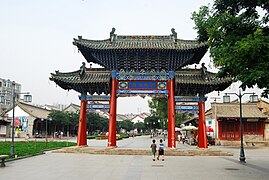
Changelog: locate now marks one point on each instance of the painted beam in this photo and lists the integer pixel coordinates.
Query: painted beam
(189, 99)
(187, 107)
(142, 91)
(98, 106)
(95, 98)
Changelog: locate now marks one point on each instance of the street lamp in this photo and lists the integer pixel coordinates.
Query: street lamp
(46, 133)
(27, 98)
(253, 98)
(215, 116)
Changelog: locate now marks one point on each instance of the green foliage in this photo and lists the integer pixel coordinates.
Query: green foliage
(100, 137)
(124, 136)
(63, 119)
(139, 126)
(158, 107)
(31, 148)
(125, 124)
(96, 123)
(151, 122)
(91, 137)
(60, 118)
(182, 117)
(159, 110)
(237, 34)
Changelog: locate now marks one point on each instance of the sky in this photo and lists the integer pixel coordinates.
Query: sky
(36, 39)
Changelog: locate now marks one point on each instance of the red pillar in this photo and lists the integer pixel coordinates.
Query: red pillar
(82, 136)
(169, 142)
(202, 139)
(113, 114)
(171, 114)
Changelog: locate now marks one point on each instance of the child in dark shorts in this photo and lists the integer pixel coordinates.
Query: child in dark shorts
(161, 150)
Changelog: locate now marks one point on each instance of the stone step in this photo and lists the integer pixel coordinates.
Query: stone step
(121, 151)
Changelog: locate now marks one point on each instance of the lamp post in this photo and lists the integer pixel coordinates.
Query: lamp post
(163, 130)
(253, 98)
(46, 133)
(215, 116)
(27, 99)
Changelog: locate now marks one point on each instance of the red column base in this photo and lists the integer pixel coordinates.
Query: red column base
(202, 138)
(82, 135)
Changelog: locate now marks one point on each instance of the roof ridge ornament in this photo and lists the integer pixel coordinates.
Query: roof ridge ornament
(174, 33)
(82, 70)
(113, 35)
(204, 70)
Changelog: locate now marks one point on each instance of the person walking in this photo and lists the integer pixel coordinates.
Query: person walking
(161, 150)
(153, 149)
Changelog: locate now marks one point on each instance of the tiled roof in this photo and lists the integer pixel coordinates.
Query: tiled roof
(34, 111)
(188, 81)
(72, 107)
(138, 42)
(121, 117)
(231, 110)
(92, 81)
(193, 81)
(141, 52)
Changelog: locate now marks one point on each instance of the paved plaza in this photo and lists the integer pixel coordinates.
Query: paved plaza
(93, 166)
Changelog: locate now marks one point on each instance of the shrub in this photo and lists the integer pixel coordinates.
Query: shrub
(91, 137)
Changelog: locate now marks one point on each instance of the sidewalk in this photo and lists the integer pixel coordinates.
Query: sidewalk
(140, 145)
(69, 166)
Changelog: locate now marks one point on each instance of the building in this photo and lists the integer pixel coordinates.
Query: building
(6, 93)
(227, 119)
(139, 118)
(27, 120)
(263, 105)
(4, 126)
(72, 108)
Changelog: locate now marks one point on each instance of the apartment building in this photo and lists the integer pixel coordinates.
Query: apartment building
(6, 91)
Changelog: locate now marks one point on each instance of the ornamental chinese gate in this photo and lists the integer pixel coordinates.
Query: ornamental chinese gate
(141, 65)
(202, 139)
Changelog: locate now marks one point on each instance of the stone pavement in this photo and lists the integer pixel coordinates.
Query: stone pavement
(95, 166)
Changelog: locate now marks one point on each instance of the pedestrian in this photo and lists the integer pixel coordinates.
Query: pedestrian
(161, 150)
(179, 138)
(153, 149)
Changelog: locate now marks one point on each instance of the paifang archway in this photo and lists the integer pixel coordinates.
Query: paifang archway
(141, 65)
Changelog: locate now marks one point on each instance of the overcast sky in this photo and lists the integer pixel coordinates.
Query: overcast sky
(36, 38)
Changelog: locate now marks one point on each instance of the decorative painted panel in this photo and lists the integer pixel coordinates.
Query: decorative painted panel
(142, 75)
(98, 106)
(95, 98)
(142, 85)
(138, 92)
(187, 107)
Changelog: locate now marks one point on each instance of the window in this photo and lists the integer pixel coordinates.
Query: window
(252, 128)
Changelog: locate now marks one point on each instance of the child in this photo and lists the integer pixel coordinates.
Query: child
(161, 150)
(153, 149)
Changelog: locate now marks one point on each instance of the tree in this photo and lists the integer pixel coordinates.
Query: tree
(125, 124)
(73, 122)
(139, 126)
(158, 108)
(151, 122)
(96, 123)
(237, 34)
(59, 119)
